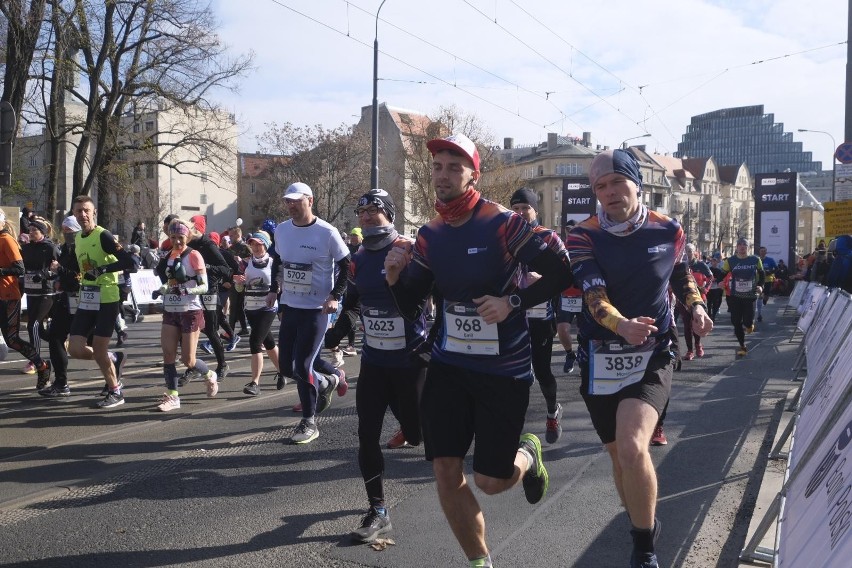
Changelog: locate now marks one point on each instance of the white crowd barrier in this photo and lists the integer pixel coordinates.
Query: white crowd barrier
(813, 510)
(142, 284)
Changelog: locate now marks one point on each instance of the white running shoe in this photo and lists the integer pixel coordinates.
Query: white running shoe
(169, 402)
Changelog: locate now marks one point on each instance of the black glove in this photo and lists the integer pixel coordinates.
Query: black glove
(93, 274)
(156, 294)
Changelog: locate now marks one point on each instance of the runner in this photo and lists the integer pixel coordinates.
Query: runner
(38, 254)
(745, 287)
(12, 267)
(390, 375)
(769, 267)
(570, 305)
(184, 278)
(716, 291)
(479, 376)
(256, 284)
(100, 259)
(541, 319)
(624, 259)
(315, 263)
(64, 308)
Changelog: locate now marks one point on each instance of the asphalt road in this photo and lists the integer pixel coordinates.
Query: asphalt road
(216, 483)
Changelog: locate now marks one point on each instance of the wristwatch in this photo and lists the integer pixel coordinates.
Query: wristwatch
(515, 301)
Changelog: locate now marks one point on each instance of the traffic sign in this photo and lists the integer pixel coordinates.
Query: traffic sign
(843, 154)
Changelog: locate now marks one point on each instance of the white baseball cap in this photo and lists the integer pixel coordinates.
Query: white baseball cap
(298, 190)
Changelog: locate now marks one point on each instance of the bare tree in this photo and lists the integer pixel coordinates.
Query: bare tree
(142, 55)
(335, 163)
(23, 26)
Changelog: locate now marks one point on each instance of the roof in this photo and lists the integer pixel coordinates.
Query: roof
(260, 165)
(696, 165)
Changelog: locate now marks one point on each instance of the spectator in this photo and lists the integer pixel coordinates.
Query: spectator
(138, 236)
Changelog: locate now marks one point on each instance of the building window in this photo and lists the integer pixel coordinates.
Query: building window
(33, 161)
(135, 127)
(137, 172)
(149, 125)
(33, 183)
(251, 188)
(149, 171)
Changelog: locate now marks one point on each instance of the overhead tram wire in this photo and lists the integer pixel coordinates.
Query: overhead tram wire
(542, 56)
(414, 67)
(545, 98)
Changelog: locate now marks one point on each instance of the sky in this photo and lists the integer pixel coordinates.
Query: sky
(616, 68)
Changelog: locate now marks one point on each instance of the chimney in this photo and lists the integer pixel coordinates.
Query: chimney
(508, 143)
(551, 141)
(587, 139)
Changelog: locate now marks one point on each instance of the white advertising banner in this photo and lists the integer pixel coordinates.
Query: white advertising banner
(143, 283)
(820, 400)
(814, 525)
(775, 233)
(810, 306)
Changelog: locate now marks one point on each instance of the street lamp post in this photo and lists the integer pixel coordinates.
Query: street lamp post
(624, 142)
(374, 155)
(833, 159)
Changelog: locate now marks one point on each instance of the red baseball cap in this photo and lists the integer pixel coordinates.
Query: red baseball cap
(458, 142)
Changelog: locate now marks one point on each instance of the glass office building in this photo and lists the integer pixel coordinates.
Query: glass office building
(745, 134)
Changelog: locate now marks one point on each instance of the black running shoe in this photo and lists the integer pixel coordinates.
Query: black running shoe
(111, 400)
(325, 395)
(43, 376)
(54, 391)
(252, 389)
(222, 372)
(280, 381)
(372, 525)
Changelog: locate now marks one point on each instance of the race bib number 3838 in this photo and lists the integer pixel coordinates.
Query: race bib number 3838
(615, 365)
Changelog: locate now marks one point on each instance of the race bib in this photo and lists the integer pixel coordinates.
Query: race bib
(297, 278)
(30, 283)
(73, 302)
(537, 312)
(615, 365)
(255, 301)
(574, 304)
(467, 331)
(176, 302)
(90, 298)
(210, 301)
(743, 286)
(383, 329)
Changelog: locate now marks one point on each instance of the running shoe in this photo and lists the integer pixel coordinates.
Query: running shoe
(232, 344)
(105, 390)
(658, 438)
(570, 359)
(43, 376)
(398, 441)
(305, 432)
(349, 351)
(280, 381)
(111, 400)
(212, 384)
(29, 369)
(689, 356)
(699, 351)
(246, 331)
(120, 360)
(208, 347)
(222, 372)
(750, 329)
(188, 376)
(645, 559)
(326, 394)
(297, 407)
(553, 429)
(252, 389)
(742, 351)
(54, 391)
(337, 357)
(169, 402)
(373, 524)
(122, 337)
(342, 385)
(536, 480)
